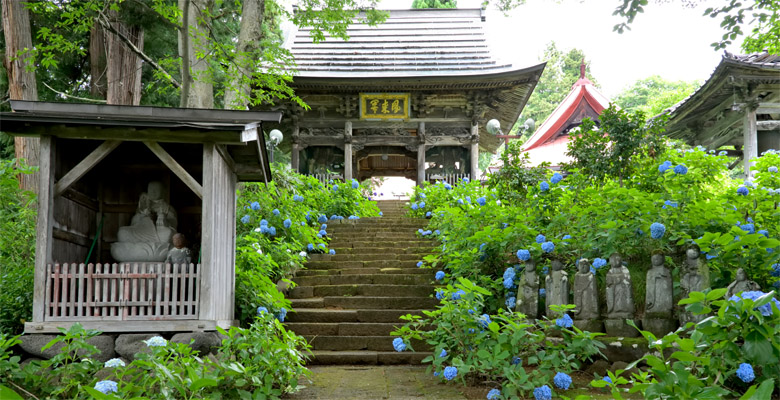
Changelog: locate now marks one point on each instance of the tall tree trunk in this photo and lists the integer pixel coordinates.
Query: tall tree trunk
(123, 69)
(21, 80)
(237, 93)
(97, 61)
(197, 88)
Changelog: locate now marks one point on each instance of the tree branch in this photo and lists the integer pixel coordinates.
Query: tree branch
(71, 96)
(103, 21)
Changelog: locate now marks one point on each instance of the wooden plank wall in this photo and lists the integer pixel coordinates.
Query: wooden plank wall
(218, 238)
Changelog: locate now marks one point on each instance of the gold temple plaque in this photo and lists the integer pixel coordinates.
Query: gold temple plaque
(384, 105)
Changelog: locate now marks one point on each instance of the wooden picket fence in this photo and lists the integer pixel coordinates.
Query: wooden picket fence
(325, 178)
(449, 178)
(121, 292)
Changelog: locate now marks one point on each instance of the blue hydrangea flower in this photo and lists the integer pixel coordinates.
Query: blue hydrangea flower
(420, 231)
(435, 373)
(439, 275)
(310, 247)
(422, 204)
(381, 214)
(765, 310)
(272, 230)
(399, 345)
(664, 166)
(323, 232)
(607, 379)
(493, 394)
(680, 169)
(106, 387)
(775, 271)
(542, 292)
(276, 212)
(482, 247)
(745, 373)
(544, 186)
(509, 274)
(321, 245)
(562, 381)
(510, 302)
(414, 206)
(468, 199)
(557, 177)
(322, 219)
(426, 233)
(156, 341)
(548, 247)
(763, 232)
(599, 262)
(439, 294)
(481, 201)
(332, 252)
(564, 322)
(437, 232)
(282, 314)
(460, 201)
(457, 295)
(566, 237)
(114, 363)
(523, 255)
(669, 203)
(419, 264)
(428, 214)
(308, 216)
(465, 180)
(255, 206)
(448, 186)
(516, 360)
(743, 191)
(484, 320)
(772, 169)
(335, 188)
(450, 372)
(540, 238)
(355, 184)
(263, 222)
(261, 310)
(245, 219)
(543, 393)
(287, 223)
(443, 353)
(657, 230)
(749, 228)
(297, 198)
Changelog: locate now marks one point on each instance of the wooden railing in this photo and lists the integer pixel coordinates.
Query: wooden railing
(325, 178)
(124, 292)
(449, 178)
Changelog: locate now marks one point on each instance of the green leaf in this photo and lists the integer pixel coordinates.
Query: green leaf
(8, 394)
(764, 391)
(683, 356)
(483, 354)
(201, 383)
(716, 294)
(758, 349)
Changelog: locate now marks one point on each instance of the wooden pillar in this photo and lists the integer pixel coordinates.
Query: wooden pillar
(750, 138)
(347, 151)
(474, 152)
(43, 244)
(296, 147)
(421, 154)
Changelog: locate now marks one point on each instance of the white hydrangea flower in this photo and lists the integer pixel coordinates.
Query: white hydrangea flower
(156, 341)
(114, 362)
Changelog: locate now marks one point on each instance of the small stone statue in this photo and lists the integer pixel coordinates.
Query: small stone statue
(179, 254)
(586, 296)
(695, 279)
(148, 237)
(741, 284)
(659, 298)
(620, 299)
(557, 286)
(528, 294)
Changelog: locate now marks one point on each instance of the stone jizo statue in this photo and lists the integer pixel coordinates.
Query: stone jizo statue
(528, 293)
(620, 297)
(586, 295)
(557, 287)
(148, 237)
(741, 284)
(695, 279)
(179, 254)
(659, 299)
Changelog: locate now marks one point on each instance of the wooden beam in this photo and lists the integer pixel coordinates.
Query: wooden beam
(768, 108)
(125, 326)
(222, 150)
(85, 165)
(45, 227)
(260, 159)
(421, 155)
(176, 168)
(474, 153)
(767, 125)
(348, 151)
(750, 144)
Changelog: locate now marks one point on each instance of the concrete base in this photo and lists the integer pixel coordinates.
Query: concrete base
(590, 325)
(619, 328)
(659, 326)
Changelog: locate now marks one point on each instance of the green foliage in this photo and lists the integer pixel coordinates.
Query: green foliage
(516, 175)
(497, 347)
(259, 362)
(653, 95)
(700, 361)
(17, 248)
(435, 4)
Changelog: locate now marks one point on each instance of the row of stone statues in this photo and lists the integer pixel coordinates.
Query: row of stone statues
(659, 295)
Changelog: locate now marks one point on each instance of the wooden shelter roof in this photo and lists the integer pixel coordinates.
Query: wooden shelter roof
(154, 124)
(409, 43)
(713, 115)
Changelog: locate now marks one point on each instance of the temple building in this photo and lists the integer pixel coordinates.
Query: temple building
(739, 105)
(408, 97)
(549, 142)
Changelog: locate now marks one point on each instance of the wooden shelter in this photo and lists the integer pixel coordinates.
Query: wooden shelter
(739, 105)
(408, 97)
(95, 163)
(550, 141)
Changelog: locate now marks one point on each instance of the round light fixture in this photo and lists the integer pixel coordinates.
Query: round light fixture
(276, 137)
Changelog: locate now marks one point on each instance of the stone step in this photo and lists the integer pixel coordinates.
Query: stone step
(331, 316)
(365, 258)
(366, 271)
(375, 343)
(302, 292)
(366, 302)
(336, 243)
(343, 328)
(364, 357)
(377, 228)
(364, 279)
(384, 250)
(405, 235)
(385, 261)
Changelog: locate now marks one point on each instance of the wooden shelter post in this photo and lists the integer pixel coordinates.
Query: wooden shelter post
(474, 156)
(421, 154)
(750, 141)
(347, 151)
(43, 244)
(296, 147)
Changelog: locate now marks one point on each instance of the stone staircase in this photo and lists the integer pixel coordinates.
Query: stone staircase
(347, 304)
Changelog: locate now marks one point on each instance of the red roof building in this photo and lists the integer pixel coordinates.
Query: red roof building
(549, 142)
